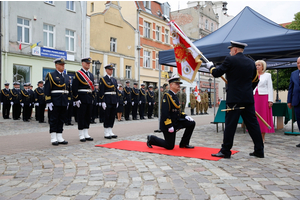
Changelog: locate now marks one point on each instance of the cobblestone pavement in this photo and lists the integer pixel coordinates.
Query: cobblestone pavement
(83, 171)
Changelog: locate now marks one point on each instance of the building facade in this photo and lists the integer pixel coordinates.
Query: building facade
(36, 33)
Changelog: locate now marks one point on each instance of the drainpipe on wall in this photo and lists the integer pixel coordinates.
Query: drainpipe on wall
(139, 43)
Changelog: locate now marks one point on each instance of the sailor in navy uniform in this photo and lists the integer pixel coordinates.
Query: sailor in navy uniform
(109, 102)
(150, 101)
(127, 99)
(5, 99)
(95, 108)
(57, 89)
(25, 102)
(135, 100)
(242, 78)
(16, 98)
(172, 119)
(83, 98)
(142, 101)
(40, 102)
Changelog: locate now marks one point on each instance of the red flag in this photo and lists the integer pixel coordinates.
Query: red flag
(187, 58)
(20, 44)
(197, 94)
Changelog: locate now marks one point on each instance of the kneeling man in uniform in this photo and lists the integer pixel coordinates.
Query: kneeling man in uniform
(172, 120)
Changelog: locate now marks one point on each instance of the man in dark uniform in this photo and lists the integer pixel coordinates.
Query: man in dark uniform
(155, 107)
(172, 119)
(70, 109)
(135, 100)
(57, 89)
(16, 98)
(25, 102)
(95, 103)
(142, 102)
(109, 102)
(40, 102)
(127, 99)
(5, 99)
(31, 92)
(150, 100)
(82, 88)
(242, 79)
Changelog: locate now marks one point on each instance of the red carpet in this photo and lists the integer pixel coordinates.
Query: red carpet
(197, 152)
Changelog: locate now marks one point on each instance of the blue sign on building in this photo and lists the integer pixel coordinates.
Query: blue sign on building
(53, 53)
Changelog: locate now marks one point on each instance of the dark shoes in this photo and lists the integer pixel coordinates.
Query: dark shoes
(257, 155)
(186, 146)
(298, 145)
(221, 155)
(107, 137)
(148, 141)
(89, 139)
(55, 143)
(82, 140)
(63, 142)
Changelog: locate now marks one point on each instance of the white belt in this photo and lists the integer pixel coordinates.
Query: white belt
(84, 90)
(110, 93)
(60, 91)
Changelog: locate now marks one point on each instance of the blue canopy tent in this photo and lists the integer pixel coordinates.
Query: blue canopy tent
(266, 40)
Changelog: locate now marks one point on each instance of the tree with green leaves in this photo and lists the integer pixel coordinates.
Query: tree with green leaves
(284, 74)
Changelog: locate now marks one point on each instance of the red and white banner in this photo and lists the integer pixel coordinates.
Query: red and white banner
(186, 56)
(197, 94)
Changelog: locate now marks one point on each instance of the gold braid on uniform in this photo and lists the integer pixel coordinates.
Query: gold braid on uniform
(7, 95)
(134, 92)
(50, 76)
(24, 94)
(84, 83)
(173, 102)
(126, 91)
(150, 95)
(256, 78)
(142, 92)
(15, 95)
(212, 69)
(39, 93)
(109, 86)
(119, 94)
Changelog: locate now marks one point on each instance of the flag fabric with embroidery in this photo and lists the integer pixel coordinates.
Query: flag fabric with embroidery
(187, 59)
(197, 94)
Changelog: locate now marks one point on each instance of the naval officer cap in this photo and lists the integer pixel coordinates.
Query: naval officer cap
(175, 79)
(120, 85)
(237, 44)
(6, 83)
(128, 81)
(16, 83)
(143, 84)
(59, 61)
(135, 83)
(86, 60)
(110, 66)
(150, 86)
(41, 82)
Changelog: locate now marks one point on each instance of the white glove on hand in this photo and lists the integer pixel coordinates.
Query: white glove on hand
(140, 102)
(125, 102)
(189, 118)
(149, 103)
(11, 103)
(171, 130)
(68, 106)
(104, 105)
(78, 103)
(29, 104)
(37, 104)
(74, 103)
(209, 65)
(50, 106)
(117, 105)
(22, 104)
(99, 103)
(132, 103)
(1, 103)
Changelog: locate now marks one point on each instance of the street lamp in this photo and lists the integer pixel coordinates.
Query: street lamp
(97, 67)
(170, 73)
(209, 80)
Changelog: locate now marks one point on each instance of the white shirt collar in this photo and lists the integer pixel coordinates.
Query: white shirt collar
(173, 92)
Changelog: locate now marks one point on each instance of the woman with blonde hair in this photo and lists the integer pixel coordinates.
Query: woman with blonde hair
(263, 98)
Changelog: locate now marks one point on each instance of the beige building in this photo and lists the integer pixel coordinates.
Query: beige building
(112, 40)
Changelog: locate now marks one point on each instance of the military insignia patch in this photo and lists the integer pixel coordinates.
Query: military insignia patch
(164, 100)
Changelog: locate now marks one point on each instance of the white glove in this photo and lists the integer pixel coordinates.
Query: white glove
(99, 103)
(37, 104)
(189, 118)
(11, 103)
(140, 102)
(104, 105)
(50, 106)
(117, 105)
(149, 103)
(209, 65)
(68, 106)
(22, 104)
(78, 103)
(132, 103)
(171, 130)
(74, 103)
(29, 104)
(125, 102)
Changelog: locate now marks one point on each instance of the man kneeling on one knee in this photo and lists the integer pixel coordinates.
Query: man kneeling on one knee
(172, 120)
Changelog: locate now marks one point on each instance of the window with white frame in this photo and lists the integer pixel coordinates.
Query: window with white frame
(70, 40)
(166, 68)
(70, 5)
(128, 71)
(113, 44)
(157, 63)
(157, 33)
(147, 4)
(49, 2)
(23, 29)
(167, 36)
(147, 29)
(147, 59)
(212, 27)
(206, 24)
(48, 35)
